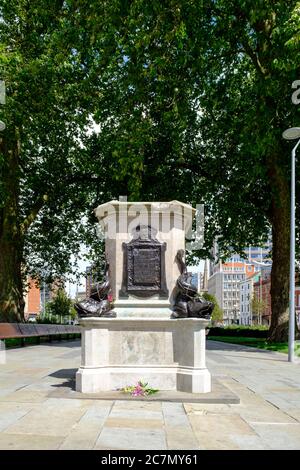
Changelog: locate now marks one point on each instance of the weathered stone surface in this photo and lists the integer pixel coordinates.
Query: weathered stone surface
(279, 436)
(220, 432)
(241, 424)
(167, 354)
(131, 439)
(34, 421)
(29, 442)
(134, 423)
(170, 222)
(181, 437)
(84, 434)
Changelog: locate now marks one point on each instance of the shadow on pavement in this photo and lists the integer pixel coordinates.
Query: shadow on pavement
(64, 373)
(68, 374)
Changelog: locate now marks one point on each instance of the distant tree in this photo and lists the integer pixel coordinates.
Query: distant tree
(217, 314)
(258, 306)
(73, 312)
(61, 305)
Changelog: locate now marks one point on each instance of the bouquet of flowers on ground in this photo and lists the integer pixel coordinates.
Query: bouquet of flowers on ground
(139, 390)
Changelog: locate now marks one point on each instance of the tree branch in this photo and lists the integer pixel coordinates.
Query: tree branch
(31, 216)
(254, 57)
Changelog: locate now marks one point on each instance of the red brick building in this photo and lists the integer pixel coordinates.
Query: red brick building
(262, 290)
(36, 297)
(262, 293)
(32, 299)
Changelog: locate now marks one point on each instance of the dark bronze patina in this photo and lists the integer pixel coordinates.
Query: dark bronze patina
(98, 304)
(144, 265)
(187, 304)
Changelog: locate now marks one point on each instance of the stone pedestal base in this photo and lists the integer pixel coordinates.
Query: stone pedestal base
(169, 354)
(136, 308)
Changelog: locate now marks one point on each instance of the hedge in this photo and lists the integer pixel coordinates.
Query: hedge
(253, 332)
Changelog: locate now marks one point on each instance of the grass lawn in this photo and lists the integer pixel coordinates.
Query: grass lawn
(260, 343)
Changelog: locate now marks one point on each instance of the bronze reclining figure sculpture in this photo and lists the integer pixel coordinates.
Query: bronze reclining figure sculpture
(187, 304)
(98, 303)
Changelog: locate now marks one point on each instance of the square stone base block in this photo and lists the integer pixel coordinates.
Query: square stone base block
(168, 354)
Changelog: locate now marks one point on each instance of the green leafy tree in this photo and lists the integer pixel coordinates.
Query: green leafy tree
(258, 307)
(200, 97)
(217, 314)
(191, 98)
(73, 312)
(49, 180)
(61, 306)
(252, 59)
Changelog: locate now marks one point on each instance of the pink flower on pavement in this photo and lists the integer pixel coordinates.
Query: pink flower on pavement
(138, 391)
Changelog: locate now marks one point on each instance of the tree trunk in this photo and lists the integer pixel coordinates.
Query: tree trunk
(280, 219)
(11, 238)
(280, 281)
(11, 287)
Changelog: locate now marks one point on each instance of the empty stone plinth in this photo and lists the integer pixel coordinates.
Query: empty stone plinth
(169, 354)
(171, 223)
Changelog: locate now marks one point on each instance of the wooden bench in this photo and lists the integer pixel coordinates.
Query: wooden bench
(30, 330)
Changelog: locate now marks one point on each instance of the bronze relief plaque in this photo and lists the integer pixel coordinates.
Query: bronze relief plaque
(144, 265)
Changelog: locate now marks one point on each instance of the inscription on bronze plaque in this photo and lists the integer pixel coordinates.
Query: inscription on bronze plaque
(144, 265)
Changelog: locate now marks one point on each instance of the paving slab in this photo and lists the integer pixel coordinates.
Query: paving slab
(47, 419)
(175, 415)
(29, 442)
(219, 394)
(10, 416)
(181, 438)
(137, 405)
(294, 413)
(138, 413)
(220, 432)
(85, 432)
(131, 439)
(279, 436)
(134, 423)
(25, 396)
(40, 409)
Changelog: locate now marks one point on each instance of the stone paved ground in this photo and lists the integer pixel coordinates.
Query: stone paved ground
(34, 414)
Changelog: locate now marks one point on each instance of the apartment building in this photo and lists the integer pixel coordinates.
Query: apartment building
(246, 295)
(224, 284)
